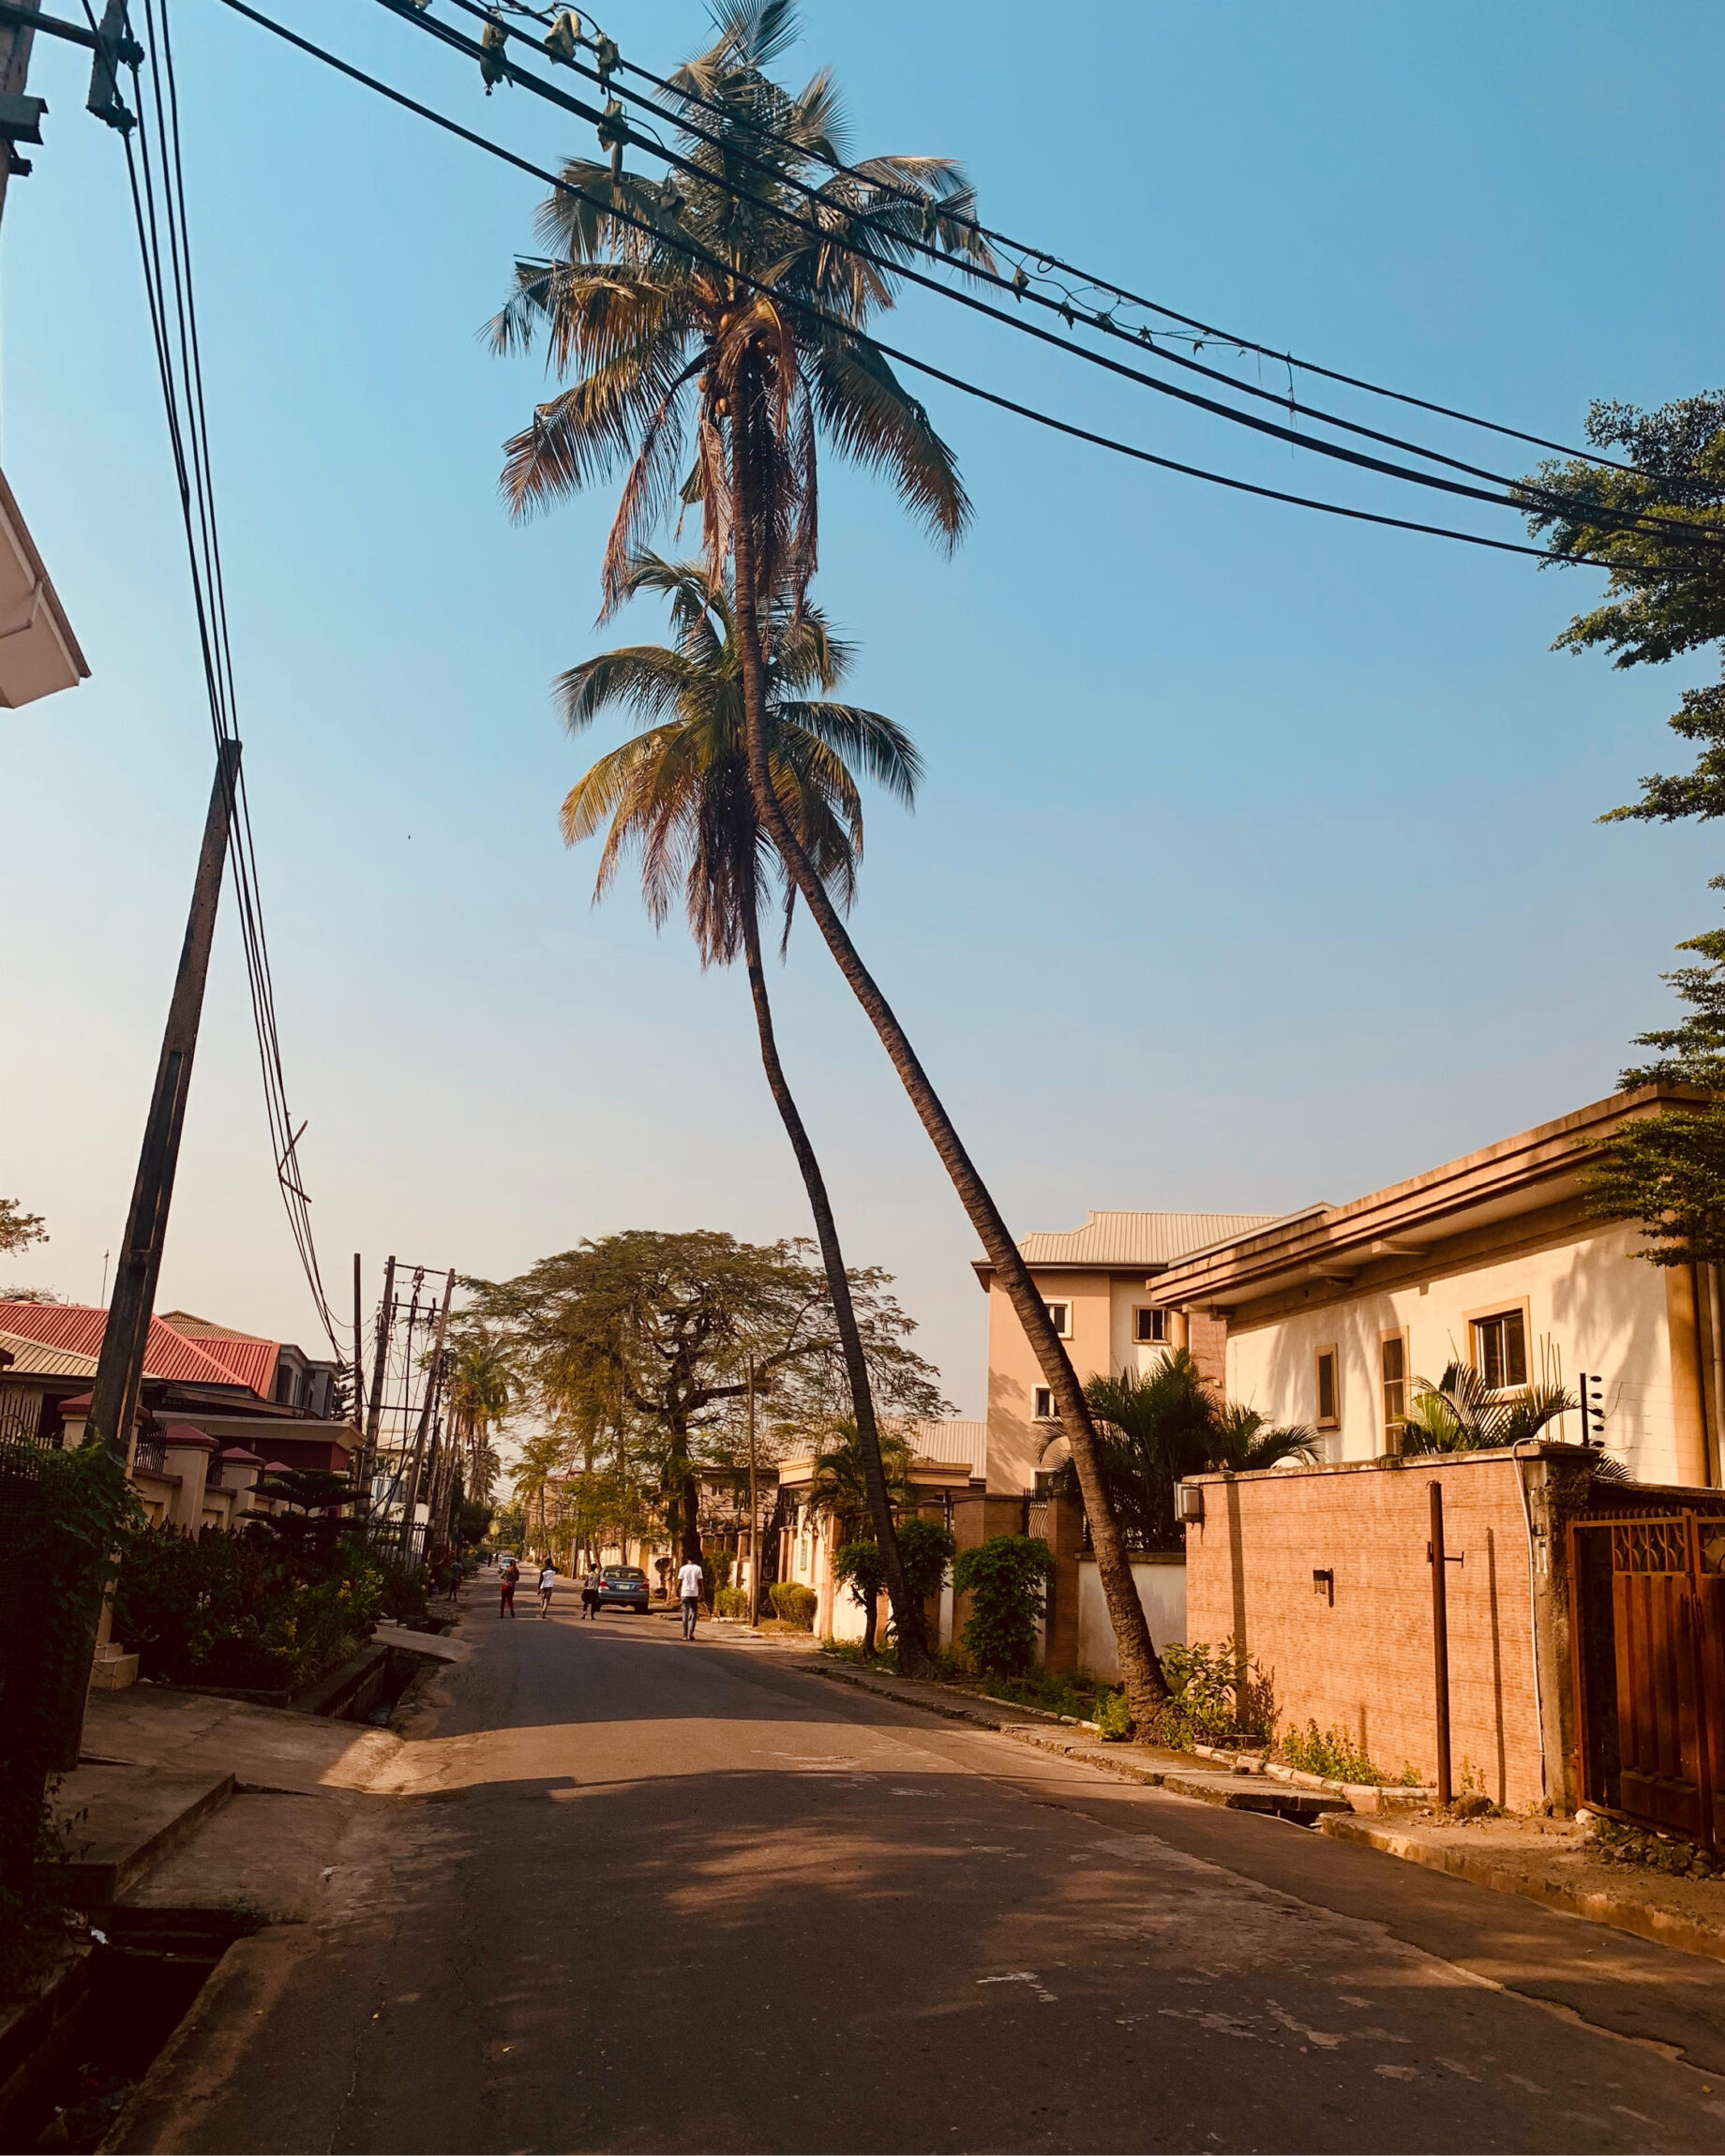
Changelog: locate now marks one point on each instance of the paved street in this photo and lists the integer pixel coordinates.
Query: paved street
(640, 1894)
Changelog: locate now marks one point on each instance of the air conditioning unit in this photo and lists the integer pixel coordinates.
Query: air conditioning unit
(1189, 1502)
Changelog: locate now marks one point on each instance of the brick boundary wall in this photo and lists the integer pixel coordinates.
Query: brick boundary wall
(1361, 1662)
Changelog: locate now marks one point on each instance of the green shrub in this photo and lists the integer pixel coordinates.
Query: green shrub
(1005, 1578)
(1335, 1756)
(1215, 1700)
(793, 1604)
(239, 1612)
(1055, 1692)
(926, 1548)
(730, 1602)
(1114, 1722)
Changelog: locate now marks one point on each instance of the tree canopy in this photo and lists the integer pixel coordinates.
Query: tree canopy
(1666, 596)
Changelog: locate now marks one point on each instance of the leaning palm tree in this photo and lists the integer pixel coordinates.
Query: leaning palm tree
(717, 326)
(679, 794)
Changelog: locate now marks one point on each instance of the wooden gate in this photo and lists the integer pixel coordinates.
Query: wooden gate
(1649, 1629)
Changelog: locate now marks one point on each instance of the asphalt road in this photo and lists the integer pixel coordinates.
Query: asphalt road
(639, 1895)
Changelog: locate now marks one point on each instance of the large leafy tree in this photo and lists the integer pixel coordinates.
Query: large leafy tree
(678, 793)
(716, 331)
(1666, 594)
(1665, 600)
(646, 1337)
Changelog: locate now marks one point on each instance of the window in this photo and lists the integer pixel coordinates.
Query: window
(1043, 1408)
(1330, 1391)
(1151, 1328)
(1061, 1317)
(1500, 1351)
(1392, 1358)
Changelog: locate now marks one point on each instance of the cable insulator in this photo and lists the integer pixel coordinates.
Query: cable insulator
(564, 35)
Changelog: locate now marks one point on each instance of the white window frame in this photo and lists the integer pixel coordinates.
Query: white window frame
(1042, 1405)
(1063, 1325)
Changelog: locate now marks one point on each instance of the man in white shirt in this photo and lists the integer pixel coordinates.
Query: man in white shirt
(548, 1580)
(689, 1583)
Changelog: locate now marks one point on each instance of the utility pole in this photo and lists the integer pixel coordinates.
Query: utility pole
(119, 1370)
(374, 1411)
(754, 1510)
(20, 116)
(359, 1367)
(429, 1414)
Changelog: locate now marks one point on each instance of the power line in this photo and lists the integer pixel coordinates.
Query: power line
(159, 209)
(1048, 261)
(694, 252)
(1517, 495)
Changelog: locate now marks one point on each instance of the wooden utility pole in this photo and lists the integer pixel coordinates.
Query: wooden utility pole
(20, 116)
(359, 1367)
(119, 1370)
(374, 1411)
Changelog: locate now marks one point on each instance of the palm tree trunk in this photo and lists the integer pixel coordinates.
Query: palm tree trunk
(1146, 1690)
(907, 1613)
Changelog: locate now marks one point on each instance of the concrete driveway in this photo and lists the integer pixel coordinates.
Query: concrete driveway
(619, 1892)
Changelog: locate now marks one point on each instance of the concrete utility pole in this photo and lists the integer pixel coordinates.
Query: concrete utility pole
(359, 1367)
(119, 1370)
(753, 1511)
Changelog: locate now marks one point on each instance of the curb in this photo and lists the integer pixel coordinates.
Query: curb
(1598, 1905)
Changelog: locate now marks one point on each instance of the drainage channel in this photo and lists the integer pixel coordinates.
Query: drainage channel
(134, 1988)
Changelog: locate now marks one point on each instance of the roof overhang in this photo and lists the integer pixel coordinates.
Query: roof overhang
(1407, 1227)
(39, 652)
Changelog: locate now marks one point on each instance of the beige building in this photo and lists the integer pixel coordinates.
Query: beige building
(1104, 1287)
(1331, 1314)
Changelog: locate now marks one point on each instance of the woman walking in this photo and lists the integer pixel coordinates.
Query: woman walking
(507, 1579)
(548, 1580)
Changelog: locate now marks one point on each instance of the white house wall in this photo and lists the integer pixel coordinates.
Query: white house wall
(1591, 1304)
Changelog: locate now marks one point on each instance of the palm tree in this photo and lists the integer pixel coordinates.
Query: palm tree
(1460, 1413)
(838, 1483)
(480, 1392)
(725, 304)
(679, 793)
(1160, 1425)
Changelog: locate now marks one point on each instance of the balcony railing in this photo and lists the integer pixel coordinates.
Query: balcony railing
(149, 1457)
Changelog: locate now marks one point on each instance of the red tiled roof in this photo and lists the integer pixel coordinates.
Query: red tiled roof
(78, 1327)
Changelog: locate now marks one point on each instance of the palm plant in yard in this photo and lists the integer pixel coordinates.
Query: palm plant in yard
(679, 792)
(1462, 1413)
(716, 338)
(1160, 1425)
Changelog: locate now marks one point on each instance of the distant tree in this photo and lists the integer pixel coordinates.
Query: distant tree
(18, 1229)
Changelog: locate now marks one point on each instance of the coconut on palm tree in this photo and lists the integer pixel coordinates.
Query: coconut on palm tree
(679, 793)
(716, 342)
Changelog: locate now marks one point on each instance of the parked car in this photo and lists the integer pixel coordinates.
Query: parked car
(623, 1587)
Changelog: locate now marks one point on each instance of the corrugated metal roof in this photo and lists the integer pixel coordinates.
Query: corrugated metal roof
(949, 1440)
(1138, 1238)
(31, 1358)
(78, 1327)
(245, 1356)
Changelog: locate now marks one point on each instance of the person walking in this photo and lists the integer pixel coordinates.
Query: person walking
(590, 1594)
(505, 1582)
(689, 1584)
(548, 1580)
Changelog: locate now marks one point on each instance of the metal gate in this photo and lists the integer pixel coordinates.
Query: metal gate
(1648, 1634)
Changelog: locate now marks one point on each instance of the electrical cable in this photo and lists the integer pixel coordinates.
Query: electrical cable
(692, 251)
(1519, 496)
(1048, 261)
(159, 209)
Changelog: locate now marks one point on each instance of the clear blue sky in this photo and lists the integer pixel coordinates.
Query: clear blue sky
(1256, 860)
